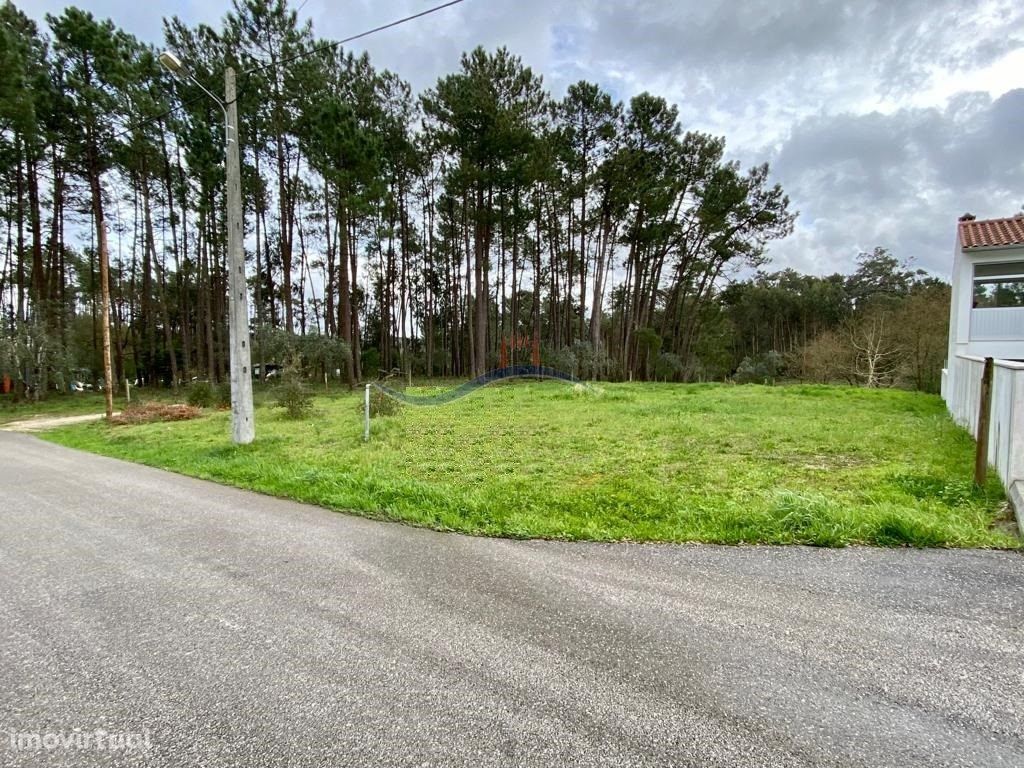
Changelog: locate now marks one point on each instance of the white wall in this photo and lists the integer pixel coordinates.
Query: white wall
(998, 324)
(962, 392)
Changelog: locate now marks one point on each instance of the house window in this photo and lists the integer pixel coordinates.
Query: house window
(999, 285)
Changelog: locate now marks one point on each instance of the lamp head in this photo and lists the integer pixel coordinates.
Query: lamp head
(172, 63)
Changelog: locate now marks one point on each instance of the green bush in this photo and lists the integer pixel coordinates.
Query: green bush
(222, 395)
(562, 359)
(293, 396)
(381, 404)
(200, 394)
(760, 369)
(668, 367)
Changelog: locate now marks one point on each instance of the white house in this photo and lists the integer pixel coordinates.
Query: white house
(986, 319)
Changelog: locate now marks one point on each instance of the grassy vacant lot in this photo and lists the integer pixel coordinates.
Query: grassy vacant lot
(811, 464)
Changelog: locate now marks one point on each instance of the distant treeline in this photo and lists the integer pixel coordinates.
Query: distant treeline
(400, 230)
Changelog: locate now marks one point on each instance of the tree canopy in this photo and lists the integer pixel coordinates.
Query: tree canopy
(416, 230)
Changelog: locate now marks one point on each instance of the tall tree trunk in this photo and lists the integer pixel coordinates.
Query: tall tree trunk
(168, 332)
(57, 287)
(482, 248)
(258, 285)
(599, 276)
(302, 282)
(182, 268)
(536, 279)
(345, 291)
(38, 290)
(284, 234)
(101, 239)
(19, 186)
(272, 305)
(583, 246)
(330, 286)
(356, 341)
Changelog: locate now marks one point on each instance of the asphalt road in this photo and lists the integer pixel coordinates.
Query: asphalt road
(226, 628)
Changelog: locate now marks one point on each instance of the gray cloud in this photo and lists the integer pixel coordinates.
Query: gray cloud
(900, 180)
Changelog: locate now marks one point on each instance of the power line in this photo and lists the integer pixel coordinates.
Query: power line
(155, 118)
(367, 33)
(288, 60)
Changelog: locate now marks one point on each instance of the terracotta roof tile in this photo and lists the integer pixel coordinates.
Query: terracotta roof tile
(990, 233)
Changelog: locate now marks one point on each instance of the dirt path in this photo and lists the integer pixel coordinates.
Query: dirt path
(40, 423)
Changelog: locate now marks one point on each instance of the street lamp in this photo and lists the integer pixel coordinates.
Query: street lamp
(177, 67)
(243, 425)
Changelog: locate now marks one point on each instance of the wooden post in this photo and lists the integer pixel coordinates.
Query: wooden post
(984, 416)
(101, 244)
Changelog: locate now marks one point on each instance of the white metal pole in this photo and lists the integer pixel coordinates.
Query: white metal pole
(366, 416)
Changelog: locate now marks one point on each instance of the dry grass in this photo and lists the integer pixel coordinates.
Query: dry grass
(147, 413)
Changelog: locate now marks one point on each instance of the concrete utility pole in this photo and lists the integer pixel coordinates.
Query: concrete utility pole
(243, 424)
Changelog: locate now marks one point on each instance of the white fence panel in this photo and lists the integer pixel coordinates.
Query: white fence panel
(962, 391)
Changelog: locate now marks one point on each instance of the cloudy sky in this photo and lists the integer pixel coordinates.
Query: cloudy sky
(884, 120)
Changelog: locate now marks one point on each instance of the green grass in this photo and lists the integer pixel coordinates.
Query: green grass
(817, 465)
(71, 404)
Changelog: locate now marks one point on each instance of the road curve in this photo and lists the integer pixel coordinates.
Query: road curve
(234, 629)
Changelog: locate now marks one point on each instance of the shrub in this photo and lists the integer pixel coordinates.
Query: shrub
(760, 369)
(381, 404)
(590, 364)
(562, 359)
(293, 396)
(222, 395)
(668, 367)
(146, 413)
(826, 359)
(200, 394)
